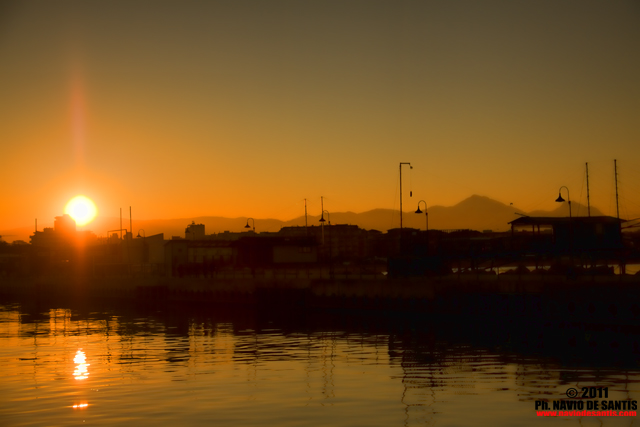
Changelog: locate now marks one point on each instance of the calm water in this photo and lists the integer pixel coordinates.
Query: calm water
(125, 365)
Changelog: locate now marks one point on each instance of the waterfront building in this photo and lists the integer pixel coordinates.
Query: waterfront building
(563, 233)
(194, 231)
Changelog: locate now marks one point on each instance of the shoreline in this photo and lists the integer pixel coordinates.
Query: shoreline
(611, 300)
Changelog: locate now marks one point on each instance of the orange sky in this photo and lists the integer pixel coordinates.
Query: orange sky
(190, 108)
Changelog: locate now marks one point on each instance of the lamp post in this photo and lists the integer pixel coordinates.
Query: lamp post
(252, 222)
(322, 221)
(560, 199)
(426, 214)
(322, 217)
(426, 217)
(402, 163)
(328, 217)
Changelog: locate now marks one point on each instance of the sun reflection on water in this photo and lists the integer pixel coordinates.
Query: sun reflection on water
(81, 372)
(80, 406)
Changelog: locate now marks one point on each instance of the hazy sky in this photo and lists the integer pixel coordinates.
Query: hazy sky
(245, 108)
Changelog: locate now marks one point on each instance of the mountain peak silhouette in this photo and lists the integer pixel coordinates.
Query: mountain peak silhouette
(476, 212)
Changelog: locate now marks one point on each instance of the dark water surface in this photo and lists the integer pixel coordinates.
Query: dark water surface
(121, 364)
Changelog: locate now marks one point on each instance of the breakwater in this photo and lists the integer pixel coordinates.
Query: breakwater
(603, 299)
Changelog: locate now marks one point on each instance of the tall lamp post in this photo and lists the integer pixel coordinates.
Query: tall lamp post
(253, 222)
(426, 218)
(328, 217)
(322, 221)
(560, 199)
(322, 217)
(411, 167)
(426, 214)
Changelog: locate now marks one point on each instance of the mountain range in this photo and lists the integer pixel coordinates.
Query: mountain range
(475, 212)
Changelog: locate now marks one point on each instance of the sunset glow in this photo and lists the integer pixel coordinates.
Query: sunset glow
(81, 209)
(81, 371)
(192, 113)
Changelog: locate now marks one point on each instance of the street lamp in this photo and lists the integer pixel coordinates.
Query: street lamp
(426, 214)
(252, 222)
(144, 235)
(322, 221)
(560, 199)
(426, 217)
(328, 217)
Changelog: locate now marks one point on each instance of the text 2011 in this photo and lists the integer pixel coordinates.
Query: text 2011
(595, 392)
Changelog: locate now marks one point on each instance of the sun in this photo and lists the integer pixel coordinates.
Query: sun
(81, 209)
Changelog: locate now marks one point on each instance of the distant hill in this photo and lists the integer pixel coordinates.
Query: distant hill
(475, 212)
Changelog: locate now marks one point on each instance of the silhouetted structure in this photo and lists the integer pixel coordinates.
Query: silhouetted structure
(561, 233)
(190, 257)
(194, 231)
(14, 258)
(61, 249)
(342, 242)
(347, 250)
(203, 257)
